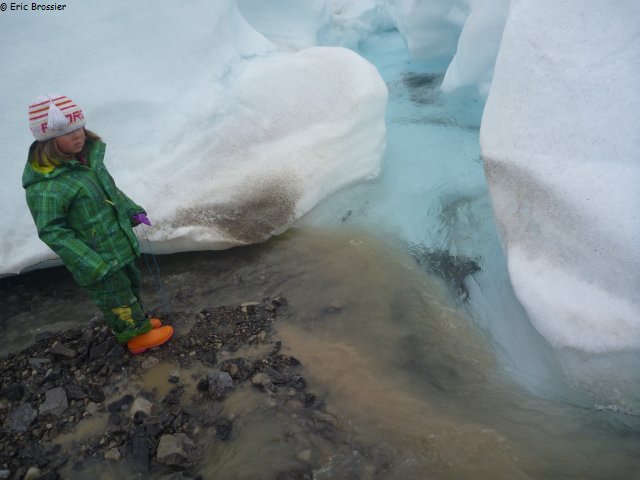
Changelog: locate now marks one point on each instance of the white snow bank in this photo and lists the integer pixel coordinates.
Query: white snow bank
(352, 21)
(475, 57)
(560, 142)
(222, 137)
(291, 24)
(431, 28)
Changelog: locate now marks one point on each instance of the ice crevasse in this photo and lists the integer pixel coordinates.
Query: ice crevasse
(560, 138)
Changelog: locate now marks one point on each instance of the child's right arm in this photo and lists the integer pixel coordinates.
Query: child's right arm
(49, 211)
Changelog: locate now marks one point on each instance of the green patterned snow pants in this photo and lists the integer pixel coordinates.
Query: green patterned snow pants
(118, 296)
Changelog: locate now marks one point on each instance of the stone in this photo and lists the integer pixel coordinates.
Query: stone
(113, 454)
(121, 404)
(20, 419)
(140, 450)
(174, 450)
(95, 394)
(174, 377)
(55, 402)
(263, 382)
(223, 429)
(100, 351)
(5, 474)
(150, 362)
(46, 335)
(141, 404)
(37, 362)
(33, 473)
(325, 418)
(203, 385)
(14, 393)
(92, 408)
(74, 392)
(337, 305)
(175, 476)
(62, 350)
(220, 384)
(304, 455)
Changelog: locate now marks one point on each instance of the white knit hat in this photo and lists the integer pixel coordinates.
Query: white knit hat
(54, 115)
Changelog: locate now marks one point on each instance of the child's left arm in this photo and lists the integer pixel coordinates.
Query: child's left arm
(131, 207)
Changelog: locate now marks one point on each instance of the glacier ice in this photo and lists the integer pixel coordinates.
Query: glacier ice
(560, 144)
(431, 28)
(291, 24)
(474, 60)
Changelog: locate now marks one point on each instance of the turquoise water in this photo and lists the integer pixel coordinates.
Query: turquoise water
(431, 198)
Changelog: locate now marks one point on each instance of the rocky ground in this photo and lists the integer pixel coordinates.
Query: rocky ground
(67, 377)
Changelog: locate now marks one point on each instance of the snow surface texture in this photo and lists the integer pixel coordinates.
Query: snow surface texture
(560, 139)
(222, 136)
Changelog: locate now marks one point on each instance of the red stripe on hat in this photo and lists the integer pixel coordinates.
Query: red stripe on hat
(33, 112)
(47, 101)
(63, 102)
(69, 106)
(38, 118)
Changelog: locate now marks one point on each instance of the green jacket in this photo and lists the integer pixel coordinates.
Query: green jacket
(82, 216)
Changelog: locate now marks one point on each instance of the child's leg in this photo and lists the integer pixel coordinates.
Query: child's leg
(115, 296)
(135, 277)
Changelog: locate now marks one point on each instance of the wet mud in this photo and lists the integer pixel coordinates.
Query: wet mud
(72, 377)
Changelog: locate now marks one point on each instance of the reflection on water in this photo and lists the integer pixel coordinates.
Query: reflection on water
(414, 386)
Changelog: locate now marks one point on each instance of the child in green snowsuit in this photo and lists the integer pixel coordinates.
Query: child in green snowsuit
(84, 218)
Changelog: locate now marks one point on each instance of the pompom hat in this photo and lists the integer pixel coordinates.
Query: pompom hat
(54, 115)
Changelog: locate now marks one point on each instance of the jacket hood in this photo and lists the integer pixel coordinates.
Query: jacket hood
(34, 174)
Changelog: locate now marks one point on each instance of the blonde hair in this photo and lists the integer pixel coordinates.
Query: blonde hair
(47, 154)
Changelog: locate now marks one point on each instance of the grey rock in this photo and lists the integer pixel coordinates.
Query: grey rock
(113, 454)
(220, 384)
(36, 362)
(121, 404)
(46, 335)
(20, 419)
(33, 473)
(304, 455)
(92, 408)
(62, 350)
(250, 304)
(150, 362)
(141, 404)
(74, 392)
(140, 448)
(337, 305)
(175, 476)
(174, 450)
(324, 418)
(263, 381)
(5, 474)
(55, 402)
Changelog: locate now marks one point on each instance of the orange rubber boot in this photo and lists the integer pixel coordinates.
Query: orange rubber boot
(155, 322)
(153, 338)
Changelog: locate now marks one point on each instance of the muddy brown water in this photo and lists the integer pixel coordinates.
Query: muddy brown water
(398, 362)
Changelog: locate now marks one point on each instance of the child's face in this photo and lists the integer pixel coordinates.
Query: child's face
(72, 142)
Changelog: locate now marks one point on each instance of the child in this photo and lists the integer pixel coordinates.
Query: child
(83, 217)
